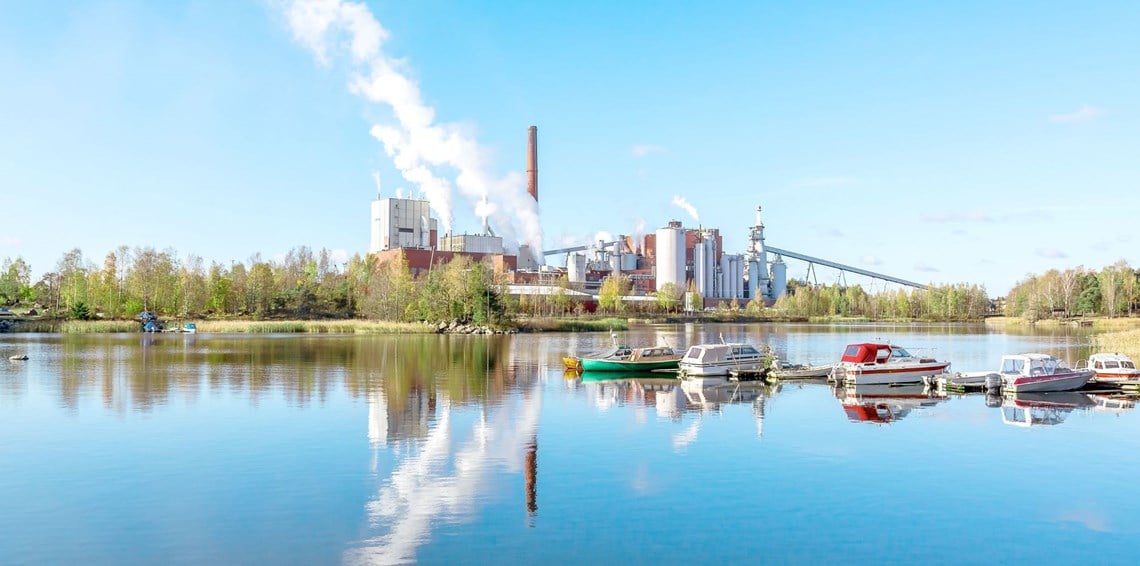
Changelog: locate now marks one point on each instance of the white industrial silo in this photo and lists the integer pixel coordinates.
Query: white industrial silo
(779, 278)
(671, 258)
(710, 265)
(576, 268)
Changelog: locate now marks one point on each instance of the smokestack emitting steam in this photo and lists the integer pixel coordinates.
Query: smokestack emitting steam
(376, 178)
(684, 204)
(532, 162)
(426, 152)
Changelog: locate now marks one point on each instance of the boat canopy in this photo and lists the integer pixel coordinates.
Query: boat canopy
(1030, 364)
(866, 353)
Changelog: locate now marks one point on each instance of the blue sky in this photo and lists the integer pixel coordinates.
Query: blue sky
(964, 141)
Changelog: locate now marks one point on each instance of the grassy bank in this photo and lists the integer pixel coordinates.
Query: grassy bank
(1102, 324)
(313, 327)
(1125, 341)
(572, 324)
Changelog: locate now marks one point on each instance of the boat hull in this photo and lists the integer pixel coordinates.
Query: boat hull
(1117, 376)
(1046, 383)
(594, 365)
(913, 374)
(808, 372)
(719, 369)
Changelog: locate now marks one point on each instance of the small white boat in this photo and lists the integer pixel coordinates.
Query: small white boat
(784, 370)
(1040, 373)
(18, 358)
(1113, 368)
(876, 363)
(718, 359)
(985, 380)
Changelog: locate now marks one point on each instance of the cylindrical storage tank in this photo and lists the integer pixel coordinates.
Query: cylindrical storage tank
(699, 268)
(738, 277)
(576, 268)
(671, 258)
(726, 276)
(710, 267)
(779, 278)
(615, 261)
(628, 262)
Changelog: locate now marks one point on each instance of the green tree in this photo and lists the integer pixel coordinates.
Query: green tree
(610, 295)
(668, 297)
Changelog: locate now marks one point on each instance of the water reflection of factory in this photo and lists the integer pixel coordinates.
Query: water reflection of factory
(445, 451)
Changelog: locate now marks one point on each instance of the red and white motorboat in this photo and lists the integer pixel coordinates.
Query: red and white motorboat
(878, 364)
(1039, 373)
(1113, 368)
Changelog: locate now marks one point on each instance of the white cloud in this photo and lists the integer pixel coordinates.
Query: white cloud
(870, 260)
(10, 242)
(643, 149)
(1083, 114)
(948, 217)
(1051, 253)
(824, 182)
(925, 268)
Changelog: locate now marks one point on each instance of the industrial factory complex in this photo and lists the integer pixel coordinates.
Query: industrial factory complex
(684, 257)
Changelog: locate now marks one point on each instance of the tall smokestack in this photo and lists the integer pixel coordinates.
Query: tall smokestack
(532, 161)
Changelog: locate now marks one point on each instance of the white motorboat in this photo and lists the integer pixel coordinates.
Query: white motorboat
(1113, 368)
(718, 359)
(876, 363)
(1040, 373)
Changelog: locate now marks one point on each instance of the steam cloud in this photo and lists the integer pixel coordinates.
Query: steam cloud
(423, 150)
(684, 204)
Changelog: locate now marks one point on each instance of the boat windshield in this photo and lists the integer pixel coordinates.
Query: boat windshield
(695, 353)
(1112, 364)
(897, 352)
(1012, 365)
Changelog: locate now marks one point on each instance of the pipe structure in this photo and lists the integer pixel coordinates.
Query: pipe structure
(532, 161)
(842, 267)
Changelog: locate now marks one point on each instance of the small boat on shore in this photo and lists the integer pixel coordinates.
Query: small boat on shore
(1040, 373)
(878, 363)
(1113, 368)
(631, 360)
(705, 360)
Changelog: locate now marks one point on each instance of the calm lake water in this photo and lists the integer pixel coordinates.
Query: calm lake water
(191, 449)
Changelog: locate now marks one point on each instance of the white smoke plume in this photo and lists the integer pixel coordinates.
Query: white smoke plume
(684, 204)
(376, 179)
(426, 152)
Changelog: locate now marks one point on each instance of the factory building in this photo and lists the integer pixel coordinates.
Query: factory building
(401, 223)
(673, 254)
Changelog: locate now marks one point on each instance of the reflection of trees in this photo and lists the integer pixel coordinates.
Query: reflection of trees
(139, 372)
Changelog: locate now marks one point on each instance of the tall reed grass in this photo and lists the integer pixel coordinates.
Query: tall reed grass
(1125, 341)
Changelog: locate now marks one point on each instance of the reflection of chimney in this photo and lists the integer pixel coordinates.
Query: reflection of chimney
(531, 473)
(532, 161)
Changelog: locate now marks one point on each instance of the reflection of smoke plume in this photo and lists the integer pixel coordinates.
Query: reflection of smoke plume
(423, 150)
(684, 204)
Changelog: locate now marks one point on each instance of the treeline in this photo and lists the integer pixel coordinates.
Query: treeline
(938, 303)
(303, 284)
(1112, 291)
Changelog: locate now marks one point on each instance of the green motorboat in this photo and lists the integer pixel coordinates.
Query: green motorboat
(626, 359)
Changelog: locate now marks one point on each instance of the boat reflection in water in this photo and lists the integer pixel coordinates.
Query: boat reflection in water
(673, 398)
(1042, 409)
(882, 404)
(1115, 404)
